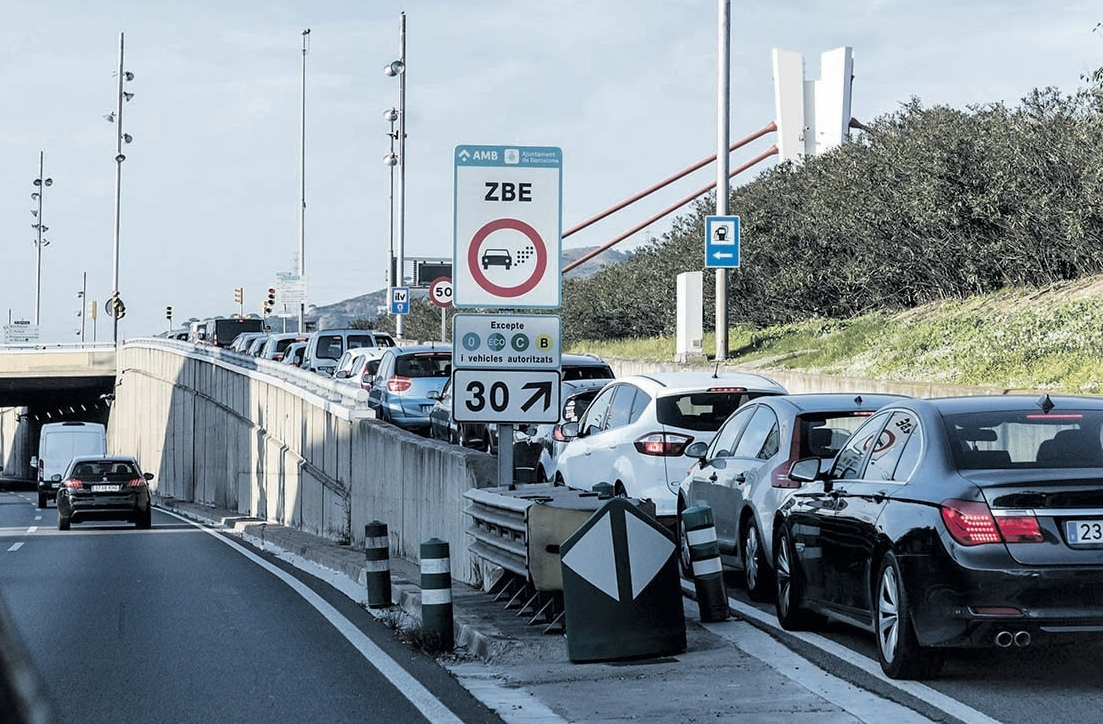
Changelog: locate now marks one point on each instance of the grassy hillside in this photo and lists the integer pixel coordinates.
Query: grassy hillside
(1021, 338)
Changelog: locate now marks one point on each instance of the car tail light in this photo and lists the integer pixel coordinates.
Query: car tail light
(277, 357)
(399, 384)
(779, 477)
(666, 444)
(727, 389)
(557, 434)
(972, 524)
(74, 483)
(137, 482)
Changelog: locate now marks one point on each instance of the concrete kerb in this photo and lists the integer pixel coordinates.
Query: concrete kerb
(475, 635)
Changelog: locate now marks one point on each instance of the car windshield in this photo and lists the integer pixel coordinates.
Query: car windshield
(702, 411)
(586, 372)
(105, 470)
(1026, 438)
(431, 364)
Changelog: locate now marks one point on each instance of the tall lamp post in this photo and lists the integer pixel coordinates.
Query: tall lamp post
(39, 227)
(302, 184)
(391, 159)
(121, 137)
(398, 68)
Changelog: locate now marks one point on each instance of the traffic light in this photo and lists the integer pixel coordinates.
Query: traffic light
(92, 309)
(239, 295)
(168, 314)
(269, 302)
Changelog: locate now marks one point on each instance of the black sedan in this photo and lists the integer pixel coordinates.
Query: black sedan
(100, 487)
(956, 522)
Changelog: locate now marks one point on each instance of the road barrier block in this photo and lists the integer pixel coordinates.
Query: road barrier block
(436, 592)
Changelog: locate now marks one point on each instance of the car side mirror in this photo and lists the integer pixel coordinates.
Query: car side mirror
(34, 461)
(805, 470)
(569, 430)
(697, 450)
(147, 476)
(55, 478)
(433, 394)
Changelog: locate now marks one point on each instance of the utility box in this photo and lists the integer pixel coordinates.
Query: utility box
(622, 597)
(689, 343)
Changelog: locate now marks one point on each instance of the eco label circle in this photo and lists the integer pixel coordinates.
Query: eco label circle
(471, 341)
(519, 342)
(516, 225)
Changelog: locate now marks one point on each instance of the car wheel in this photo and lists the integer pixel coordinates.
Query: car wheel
(685, 562)
(43, 501)
(756, 570)
(62, 522)
(541, 476)
(897, 646)
(144, 520)
(789, 587)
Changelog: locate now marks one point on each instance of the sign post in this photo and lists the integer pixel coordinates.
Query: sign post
(440, 294)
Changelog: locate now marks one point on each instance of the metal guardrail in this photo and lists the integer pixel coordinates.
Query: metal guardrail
(499, 528)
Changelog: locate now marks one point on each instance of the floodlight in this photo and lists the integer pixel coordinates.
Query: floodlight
(394, 68)
(390, 115)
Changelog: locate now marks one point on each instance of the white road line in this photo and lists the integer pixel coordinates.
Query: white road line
(937, 699)
(32, 529)
(15, 546)
(431, 708)
(38, 517)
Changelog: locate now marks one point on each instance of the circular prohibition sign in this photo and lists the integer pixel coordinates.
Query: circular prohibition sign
(538, 245)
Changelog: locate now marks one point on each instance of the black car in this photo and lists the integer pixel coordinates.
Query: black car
(111, 487)
(954, 522)
(443, 427)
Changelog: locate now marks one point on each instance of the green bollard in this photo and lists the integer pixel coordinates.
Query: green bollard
(704, 555)
(436, 593)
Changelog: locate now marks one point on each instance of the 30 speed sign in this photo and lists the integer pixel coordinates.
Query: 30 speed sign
(505, 396)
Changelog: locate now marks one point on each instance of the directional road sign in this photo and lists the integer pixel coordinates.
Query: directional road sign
(291, 288)
(506, 341)
(722, 242)
(400, 300)
(507, 226)
(505, 396)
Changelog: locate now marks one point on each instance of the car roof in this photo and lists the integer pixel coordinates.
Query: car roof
(101, 458)
(355, 352)
(662, 383)
(582, 360)
(434, 347)
(955, 405)
(288, 335)
(835, 401)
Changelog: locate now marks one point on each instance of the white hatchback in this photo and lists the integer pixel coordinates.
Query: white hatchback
(635, 431)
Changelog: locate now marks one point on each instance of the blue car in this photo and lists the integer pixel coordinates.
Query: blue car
(406, 376)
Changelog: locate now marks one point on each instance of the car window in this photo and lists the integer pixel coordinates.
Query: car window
(433, 364)
(101, 469)
(620, 412)
(824, 435)
(594, 419)
(849, 461)
(724, 442)
(361, 340)
(901, 429)
(704, 411)
(330, 347)
(760, 438)
(570, 373)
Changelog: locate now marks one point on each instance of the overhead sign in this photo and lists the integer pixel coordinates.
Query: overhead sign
(506, 341)
(507, 226)
(505, 396)
(440, 292)
(400, 300)
(722, 242)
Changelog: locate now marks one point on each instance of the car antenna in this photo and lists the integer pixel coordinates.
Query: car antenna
(716, 371)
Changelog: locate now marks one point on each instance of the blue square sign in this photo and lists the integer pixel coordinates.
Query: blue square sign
(722, 242)
(400, 300)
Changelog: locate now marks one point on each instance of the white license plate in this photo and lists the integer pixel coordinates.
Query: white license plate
(1084, 531)
(105, 488)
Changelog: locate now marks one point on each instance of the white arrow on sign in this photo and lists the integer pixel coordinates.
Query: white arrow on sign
(505, 396)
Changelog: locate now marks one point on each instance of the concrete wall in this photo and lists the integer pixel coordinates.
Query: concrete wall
(289, 447)
(16, 443)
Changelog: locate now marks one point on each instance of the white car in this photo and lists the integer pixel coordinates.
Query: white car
(358, 366)
(633, 435)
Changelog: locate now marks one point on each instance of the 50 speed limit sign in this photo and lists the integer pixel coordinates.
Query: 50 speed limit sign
(505, 396)
(440, 292)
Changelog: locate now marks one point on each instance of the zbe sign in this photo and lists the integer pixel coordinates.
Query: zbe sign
(507, 226)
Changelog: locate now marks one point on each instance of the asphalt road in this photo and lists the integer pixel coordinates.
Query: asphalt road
(175, 624)
(1055, 685)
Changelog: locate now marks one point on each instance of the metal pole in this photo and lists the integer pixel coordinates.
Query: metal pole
(722, 113)
(302, 187)
(84, 304)
(38, 240)
(390, 217)
(401, 163)
(118, 192)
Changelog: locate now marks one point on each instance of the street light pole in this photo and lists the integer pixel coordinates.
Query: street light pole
(83, 303)
(722, 132)
(302, 186)
(39, 226)
(398, 68)
(390, 115)
(121, 137)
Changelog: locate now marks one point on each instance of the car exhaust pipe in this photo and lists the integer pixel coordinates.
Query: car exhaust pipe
(1004, 639)
(1022, 638)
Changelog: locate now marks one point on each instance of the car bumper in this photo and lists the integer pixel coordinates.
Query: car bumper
(122, 506)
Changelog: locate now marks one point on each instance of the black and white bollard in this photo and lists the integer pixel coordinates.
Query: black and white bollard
(377, 550)
(436, 592)
(704, 556)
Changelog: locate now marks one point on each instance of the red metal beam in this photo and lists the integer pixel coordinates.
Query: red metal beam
(771, 151)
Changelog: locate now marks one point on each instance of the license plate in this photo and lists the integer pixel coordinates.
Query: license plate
(105, 488)
(1084, 531)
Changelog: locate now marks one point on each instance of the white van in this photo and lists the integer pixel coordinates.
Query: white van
(60, 442)
(326, 346)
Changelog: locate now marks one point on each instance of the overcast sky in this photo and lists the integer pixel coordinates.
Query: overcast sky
(627, 89)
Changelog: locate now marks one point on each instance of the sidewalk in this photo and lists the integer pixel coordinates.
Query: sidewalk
(731, 671)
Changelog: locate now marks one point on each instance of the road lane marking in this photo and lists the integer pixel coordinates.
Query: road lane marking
(38, 517)
(430, 707)
(15, 546)
(935, 698)
(32, 529)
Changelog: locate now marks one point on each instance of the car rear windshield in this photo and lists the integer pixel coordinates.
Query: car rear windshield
(225, 330)
(105, 469)
(586, 372)
(1026, 438)
(702, 411)
(430, 364)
